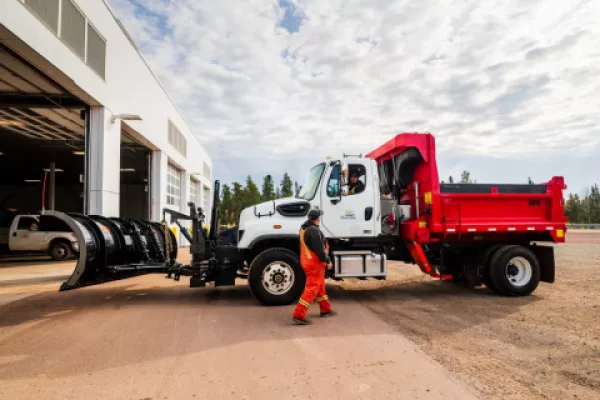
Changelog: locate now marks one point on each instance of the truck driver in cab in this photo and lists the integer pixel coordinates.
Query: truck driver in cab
(355, 186)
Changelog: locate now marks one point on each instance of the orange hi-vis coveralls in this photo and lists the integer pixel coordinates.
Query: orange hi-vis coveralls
(314, 259)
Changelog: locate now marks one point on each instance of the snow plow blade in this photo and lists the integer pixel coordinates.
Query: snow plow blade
(116, 248)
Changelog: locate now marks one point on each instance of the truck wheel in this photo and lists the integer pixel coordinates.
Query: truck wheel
(60, 251)
(276, 277)
(485, 262)
(514, 271)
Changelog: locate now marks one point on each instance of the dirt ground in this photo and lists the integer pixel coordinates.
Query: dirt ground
(149, 337)
(546, 345)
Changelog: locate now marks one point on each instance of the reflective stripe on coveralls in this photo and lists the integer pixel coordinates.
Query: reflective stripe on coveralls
(314, 269)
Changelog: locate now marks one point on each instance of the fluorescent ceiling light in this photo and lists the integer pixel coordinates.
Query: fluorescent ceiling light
(55, 170)
(127, 169)
(32, 180)
(79, 153)
(8, 122)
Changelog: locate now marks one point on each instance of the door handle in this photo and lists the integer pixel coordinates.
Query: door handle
(368, 213)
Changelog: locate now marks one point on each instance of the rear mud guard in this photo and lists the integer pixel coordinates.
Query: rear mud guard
(114, 248)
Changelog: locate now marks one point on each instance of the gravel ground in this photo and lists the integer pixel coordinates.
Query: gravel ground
(546, 345)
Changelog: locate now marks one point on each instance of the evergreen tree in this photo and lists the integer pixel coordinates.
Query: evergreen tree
(286, 186)
(268, 189)
(252, 195)
(297, 189)
(225, 208)
(530, 181)
(465, 177)
(237, 202)
(573, 209)
(595, 204)
(586, 209)
(277, 193)
(450, 179)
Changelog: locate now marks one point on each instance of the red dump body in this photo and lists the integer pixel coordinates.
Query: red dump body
(468, 212)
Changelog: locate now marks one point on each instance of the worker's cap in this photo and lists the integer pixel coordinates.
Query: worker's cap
(314, 214)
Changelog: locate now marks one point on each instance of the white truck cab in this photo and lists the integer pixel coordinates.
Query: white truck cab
(345, 213)
(348, 194)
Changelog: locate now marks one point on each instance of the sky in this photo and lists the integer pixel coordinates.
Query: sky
(510, 89)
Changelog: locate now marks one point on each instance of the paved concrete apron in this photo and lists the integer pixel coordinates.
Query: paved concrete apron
(148, 338)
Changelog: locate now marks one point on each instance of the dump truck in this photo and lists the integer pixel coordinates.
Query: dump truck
(386, 205)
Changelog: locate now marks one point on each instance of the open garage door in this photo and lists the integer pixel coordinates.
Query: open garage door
(135, 177)
(42, 141)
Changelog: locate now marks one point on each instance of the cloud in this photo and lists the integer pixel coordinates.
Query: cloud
(273, 86)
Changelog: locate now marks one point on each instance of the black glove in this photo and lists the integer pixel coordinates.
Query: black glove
(328, 272)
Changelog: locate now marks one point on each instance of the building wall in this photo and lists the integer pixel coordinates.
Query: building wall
(129, 87)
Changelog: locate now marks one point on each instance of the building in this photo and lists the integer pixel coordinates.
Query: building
(83, 116)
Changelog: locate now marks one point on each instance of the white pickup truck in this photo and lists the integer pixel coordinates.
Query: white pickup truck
(35, 234)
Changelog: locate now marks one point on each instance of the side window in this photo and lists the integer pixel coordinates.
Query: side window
(357, 179)
(333, 185)
(25, 223)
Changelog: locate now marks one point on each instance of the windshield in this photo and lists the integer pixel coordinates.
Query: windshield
(312, 183)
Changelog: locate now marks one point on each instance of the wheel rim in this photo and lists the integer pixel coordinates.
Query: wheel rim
(277, 278)
(519, 271)
(60, 251)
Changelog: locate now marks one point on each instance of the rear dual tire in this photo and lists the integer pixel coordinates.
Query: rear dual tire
(513, 271)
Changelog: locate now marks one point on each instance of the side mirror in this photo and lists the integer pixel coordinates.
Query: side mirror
(344, 174)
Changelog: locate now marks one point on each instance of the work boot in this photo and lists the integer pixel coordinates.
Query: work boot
(329, 313)
(300, 321)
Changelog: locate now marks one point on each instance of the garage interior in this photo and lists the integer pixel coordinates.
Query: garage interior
(135, 176)
(42, 141)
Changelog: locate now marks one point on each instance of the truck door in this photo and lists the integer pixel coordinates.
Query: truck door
(25, 235)
(349, 214)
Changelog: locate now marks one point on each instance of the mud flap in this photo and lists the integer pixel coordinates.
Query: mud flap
(115, 248)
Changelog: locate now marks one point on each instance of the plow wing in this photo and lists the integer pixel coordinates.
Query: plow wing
(116, 248)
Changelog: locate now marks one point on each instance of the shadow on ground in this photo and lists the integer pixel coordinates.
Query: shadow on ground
(66, 333)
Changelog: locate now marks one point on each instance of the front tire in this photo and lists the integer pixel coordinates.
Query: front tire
(60, 251)
(514, 271)
(276, 277)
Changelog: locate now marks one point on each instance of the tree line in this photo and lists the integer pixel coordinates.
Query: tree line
(236, 197)
(586, 209)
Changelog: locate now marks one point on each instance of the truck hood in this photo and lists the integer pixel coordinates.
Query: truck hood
(281, 218)
(286, 207)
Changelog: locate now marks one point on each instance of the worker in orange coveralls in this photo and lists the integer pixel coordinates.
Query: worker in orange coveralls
(314, 260)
